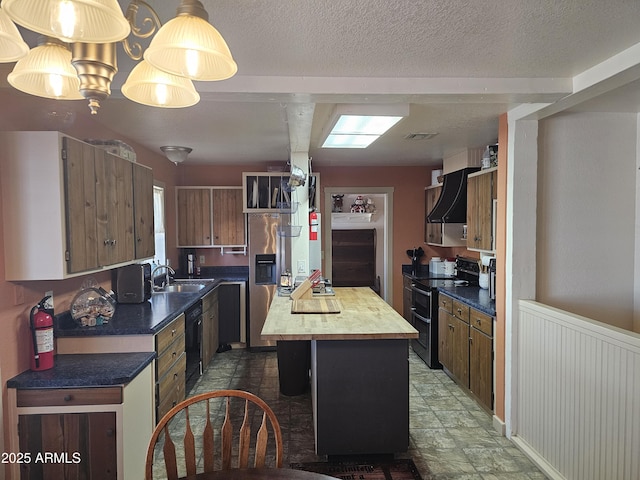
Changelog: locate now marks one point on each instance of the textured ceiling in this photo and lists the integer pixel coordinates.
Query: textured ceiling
(458, 64)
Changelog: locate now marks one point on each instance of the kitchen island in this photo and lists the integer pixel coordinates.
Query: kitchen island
(359, 370)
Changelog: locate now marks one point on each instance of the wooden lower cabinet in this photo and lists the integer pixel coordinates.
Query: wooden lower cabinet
(465, 347)
(171, 366)
(85, 433)
(209, 326)
(69, 445)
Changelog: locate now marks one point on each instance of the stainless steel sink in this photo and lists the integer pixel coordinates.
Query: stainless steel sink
(181, 287)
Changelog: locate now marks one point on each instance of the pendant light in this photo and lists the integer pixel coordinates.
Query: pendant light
(47, 72)
(12, 47)
(92, 21)
(149, 86)
(189, 46)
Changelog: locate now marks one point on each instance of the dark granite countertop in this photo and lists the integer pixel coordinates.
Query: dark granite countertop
(476, 297)
(146, 318)
(85, 370)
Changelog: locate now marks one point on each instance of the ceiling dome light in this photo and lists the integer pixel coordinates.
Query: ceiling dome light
(189, 46)
(46, 71)
(12, 47)
(149, 86)
(90, 21)
(176, 154)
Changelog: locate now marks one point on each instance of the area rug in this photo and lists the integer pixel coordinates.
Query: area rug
(364, 469)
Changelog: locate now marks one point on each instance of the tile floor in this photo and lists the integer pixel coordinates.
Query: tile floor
(451, 436)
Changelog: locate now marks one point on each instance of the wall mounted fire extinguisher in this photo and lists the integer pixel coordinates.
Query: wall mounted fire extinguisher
(41, 324)
(313, 226)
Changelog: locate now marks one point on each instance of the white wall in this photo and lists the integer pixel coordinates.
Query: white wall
(586, 215)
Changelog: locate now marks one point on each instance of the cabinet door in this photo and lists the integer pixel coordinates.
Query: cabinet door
(480, 195)
(481, 367)
(460, 354)
(114, 203)
(143, 211)
(80, 198)
(445, 330)
(194, 217)
(432, 231)
(90, 436)
(228, 219)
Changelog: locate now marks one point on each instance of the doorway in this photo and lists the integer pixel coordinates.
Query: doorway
(384, 225)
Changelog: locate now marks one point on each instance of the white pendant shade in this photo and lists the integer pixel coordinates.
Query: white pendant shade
(190, 46)
(12, 47)
(89, 21)
(47, 72)
(149, 86)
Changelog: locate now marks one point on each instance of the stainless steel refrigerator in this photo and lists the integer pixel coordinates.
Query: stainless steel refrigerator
(264, 270)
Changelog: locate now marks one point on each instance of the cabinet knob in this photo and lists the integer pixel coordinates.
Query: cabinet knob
(113, 242)
(110, 432)
(68, 398)
(106, 241)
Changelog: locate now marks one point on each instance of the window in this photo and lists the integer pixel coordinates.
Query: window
(160, 257)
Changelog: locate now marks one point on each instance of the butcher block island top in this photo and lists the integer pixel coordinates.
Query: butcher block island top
(363, 316)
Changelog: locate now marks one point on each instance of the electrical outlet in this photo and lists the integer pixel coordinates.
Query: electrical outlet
(302, 267)
(201, 259)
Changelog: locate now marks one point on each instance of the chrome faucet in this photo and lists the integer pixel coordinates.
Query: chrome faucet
(170, 270)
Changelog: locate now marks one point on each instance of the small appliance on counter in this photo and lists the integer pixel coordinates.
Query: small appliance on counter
(436, 266)
(415, 254)
(467, 271)
(132, 283)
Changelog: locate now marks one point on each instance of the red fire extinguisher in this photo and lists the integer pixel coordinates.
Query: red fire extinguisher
(313, 226)
(41, 325)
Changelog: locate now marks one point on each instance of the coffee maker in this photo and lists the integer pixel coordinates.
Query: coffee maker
(188, 262)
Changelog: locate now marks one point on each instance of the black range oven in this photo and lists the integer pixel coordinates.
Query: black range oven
(193, 344)
(424, 318)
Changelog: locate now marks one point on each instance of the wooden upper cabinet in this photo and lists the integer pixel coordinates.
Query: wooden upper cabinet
(210, 217)
(194, 217)
(143, 211)
(80, 187)
(481, 191)
(432, 231)
(114, 205)
(73, 216)
(228, 219)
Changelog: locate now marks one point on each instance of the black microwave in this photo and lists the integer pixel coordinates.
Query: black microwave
(132, 283)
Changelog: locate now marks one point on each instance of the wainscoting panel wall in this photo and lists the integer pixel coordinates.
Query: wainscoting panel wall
(578, 410)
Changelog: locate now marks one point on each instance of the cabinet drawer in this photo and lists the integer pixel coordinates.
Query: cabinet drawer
(171, 400)
(461, 311)
(482, 322)
(168, 334)
(173, 380)
(446, 303)
(170, 356)
(69, 396)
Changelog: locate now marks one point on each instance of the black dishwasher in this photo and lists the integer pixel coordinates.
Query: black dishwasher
(193, 344)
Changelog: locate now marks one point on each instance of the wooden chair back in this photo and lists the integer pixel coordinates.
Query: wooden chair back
(199, 423)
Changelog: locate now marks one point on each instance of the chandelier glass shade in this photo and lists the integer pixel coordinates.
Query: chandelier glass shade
(149, 86)
(47, 72)
(91, 21)
(186, 48)
(12, 47)
(190, 46)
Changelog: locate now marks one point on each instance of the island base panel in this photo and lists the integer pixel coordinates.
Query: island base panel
(361, 396)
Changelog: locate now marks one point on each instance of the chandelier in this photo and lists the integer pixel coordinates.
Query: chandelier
(76, 54)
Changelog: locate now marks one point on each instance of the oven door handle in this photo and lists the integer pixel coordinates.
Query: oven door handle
(419, 291)
(420, 317)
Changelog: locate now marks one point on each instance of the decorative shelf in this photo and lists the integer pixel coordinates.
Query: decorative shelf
(351, 217)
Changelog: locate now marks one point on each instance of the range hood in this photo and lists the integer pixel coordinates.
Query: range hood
(451, 207)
